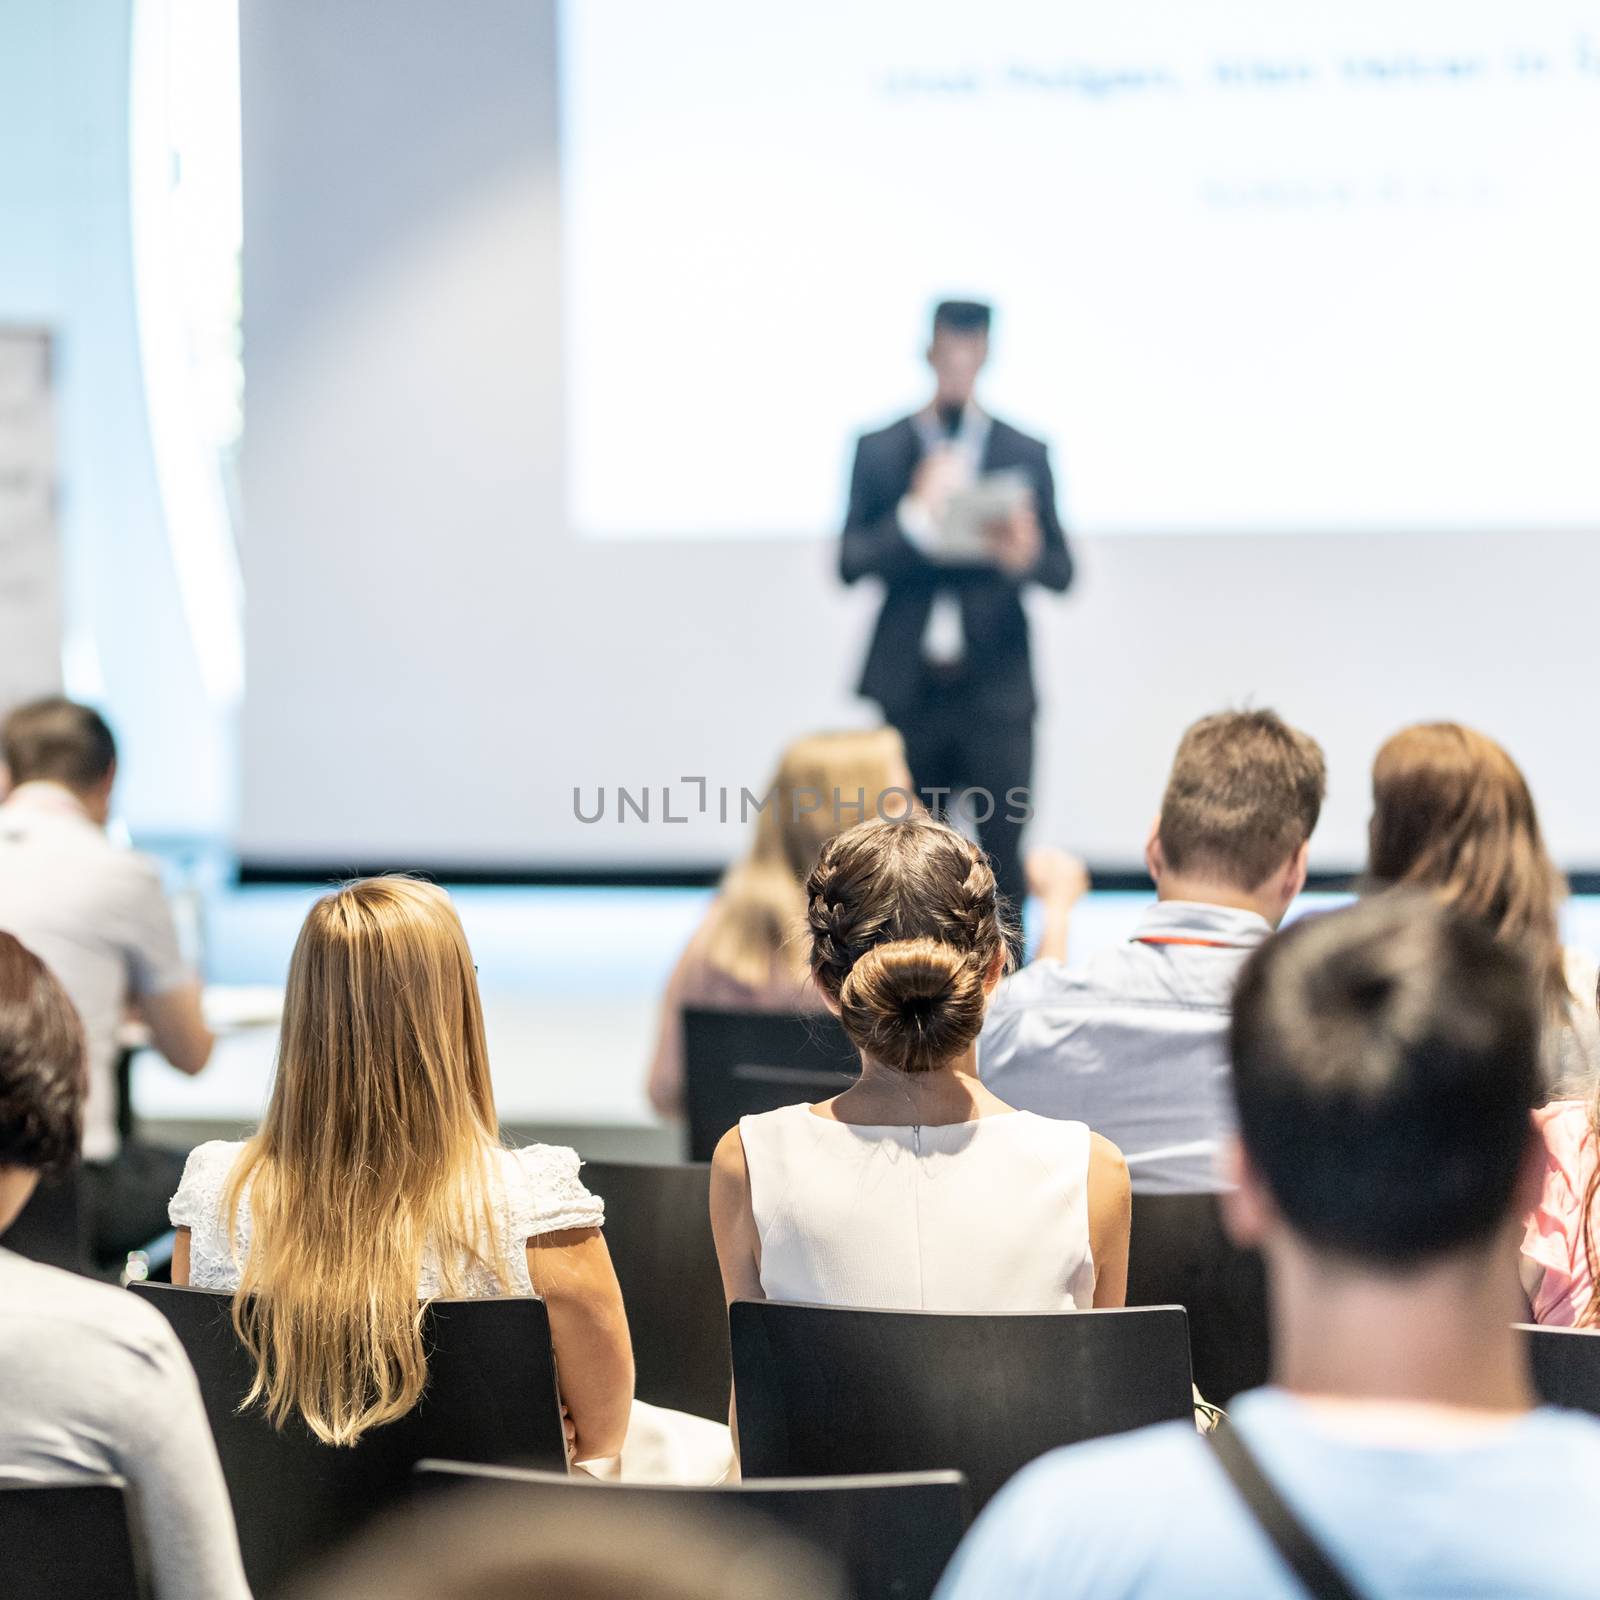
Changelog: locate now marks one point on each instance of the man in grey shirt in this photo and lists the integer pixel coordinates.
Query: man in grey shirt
(1134, 1043)
(93, 1383)
(97, 916)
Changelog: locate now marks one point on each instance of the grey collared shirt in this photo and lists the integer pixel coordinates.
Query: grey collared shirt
(1134, 1043)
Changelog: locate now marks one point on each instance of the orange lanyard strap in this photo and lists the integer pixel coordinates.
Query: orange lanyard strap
(1178, 938)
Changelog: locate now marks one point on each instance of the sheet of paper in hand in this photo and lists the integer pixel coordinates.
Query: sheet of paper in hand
(961, 533)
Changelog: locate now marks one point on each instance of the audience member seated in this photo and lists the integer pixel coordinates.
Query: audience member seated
(1452, 813)
(749, 952)
(917, 1188)
(482, 1544)
(1559, 1248)
(1385, 1061)
(91, 1381)
(97, 916)
(377, 1177)
(1134, 1042)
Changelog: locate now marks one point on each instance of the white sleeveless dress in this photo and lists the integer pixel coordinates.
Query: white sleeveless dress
(988, 1215)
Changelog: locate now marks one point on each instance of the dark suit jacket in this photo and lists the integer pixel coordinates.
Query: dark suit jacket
(996, 627)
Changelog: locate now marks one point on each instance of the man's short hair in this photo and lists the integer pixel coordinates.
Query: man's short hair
(42, 1066)
(1244, 794)
(962, 316)
(1385, 1062)
(59, 741)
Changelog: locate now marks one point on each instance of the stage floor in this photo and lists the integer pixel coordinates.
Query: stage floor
(570, 979)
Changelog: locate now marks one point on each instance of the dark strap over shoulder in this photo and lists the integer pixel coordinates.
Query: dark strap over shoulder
(1309, 1562)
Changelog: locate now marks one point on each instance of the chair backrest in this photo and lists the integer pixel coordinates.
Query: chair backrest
(69, 1541)
(53, 1227)
(739, 1063)
(491, 1397)
(893, 1532)
(658, 1228)
(1566, 1366)
(1179, 1255)
(822, 1389)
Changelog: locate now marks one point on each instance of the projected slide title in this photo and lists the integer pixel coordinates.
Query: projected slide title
(1101, 81)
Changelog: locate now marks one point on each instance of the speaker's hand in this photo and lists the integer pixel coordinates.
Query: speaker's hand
(1016, 541)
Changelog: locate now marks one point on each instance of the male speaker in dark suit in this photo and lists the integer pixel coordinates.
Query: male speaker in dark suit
(949, 661)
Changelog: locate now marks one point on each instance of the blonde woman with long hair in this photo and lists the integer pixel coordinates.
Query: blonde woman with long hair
(378, 1176)
(1453, 814)
(749, 954)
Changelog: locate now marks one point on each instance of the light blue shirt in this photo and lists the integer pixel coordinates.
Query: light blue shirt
(1134, 1043)
(1151, 1514)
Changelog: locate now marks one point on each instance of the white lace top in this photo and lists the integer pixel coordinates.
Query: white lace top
(538, 1191)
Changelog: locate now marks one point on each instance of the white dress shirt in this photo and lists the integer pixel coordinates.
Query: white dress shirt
(943, 638)
(96, 915)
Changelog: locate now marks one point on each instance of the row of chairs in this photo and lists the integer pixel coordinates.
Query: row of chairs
(822, 1392)
(659, 1232)
(893, 1532)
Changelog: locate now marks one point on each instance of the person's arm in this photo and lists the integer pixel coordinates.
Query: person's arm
(1053, 569)
(733, 1228)
(572, 1273)
(1058, 881)
(874, 543)
(1029, 546)
(733, 1222)
(162, 987)
(178, 1026)
(170, 1461)
(1110, 1221)
(180, 1258)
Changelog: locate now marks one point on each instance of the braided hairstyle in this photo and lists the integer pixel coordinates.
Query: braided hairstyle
(905, 927)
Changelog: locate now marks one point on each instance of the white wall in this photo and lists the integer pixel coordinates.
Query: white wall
(433, 663)
(66, 263)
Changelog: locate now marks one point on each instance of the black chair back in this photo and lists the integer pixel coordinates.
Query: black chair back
(822, 1389)
(1566, 1366)
(491, 1397)
(739, 1063)
(893, 1533)
(69, 1541)
(53, 1227)
(658, 1228)
(1179, 1255)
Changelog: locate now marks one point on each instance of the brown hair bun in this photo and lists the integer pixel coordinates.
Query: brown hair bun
(913, 1003)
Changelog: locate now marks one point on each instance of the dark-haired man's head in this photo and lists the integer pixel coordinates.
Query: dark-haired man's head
(59, 741)
(958, 350)
(1240, 806)
(41, 1076)
(1385, 1064)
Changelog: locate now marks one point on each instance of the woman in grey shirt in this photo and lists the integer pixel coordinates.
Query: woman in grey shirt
(91, 1381)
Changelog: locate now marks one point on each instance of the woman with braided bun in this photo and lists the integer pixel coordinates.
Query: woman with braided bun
(917, 1188)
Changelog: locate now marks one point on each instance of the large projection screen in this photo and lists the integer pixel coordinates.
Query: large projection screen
(529, 513)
